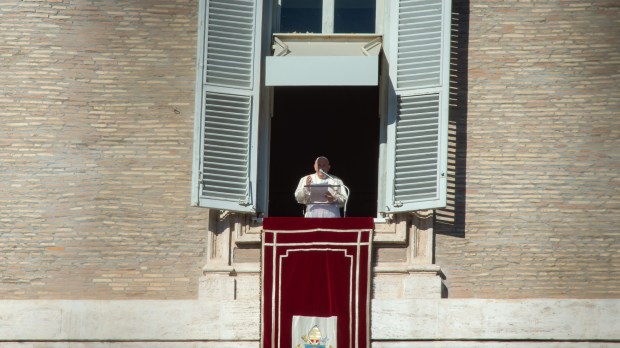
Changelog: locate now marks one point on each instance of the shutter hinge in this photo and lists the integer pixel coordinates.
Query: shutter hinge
(397, 204)
(244, 202)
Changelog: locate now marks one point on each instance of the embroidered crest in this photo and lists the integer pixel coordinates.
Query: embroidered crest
(314, 332)
(314, 339)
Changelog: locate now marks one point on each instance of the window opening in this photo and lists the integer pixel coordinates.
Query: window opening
(341, 123)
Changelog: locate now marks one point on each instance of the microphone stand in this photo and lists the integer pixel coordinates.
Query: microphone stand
(345, 188)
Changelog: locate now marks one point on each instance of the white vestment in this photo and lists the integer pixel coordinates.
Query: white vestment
(313, 196)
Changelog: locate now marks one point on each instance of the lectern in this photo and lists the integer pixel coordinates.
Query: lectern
(316, 282)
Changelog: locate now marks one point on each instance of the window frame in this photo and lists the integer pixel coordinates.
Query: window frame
(328, 16)
(259, 148)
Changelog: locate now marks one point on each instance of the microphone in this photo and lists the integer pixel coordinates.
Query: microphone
(325, 173)
(343, 185)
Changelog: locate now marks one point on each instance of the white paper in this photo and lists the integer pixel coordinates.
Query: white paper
(318, 192)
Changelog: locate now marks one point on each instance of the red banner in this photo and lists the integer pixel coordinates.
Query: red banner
(316, 272)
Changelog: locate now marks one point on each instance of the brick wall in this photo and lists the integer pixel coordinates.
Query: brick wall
(95, 150)
(536, 173)
(96, 143)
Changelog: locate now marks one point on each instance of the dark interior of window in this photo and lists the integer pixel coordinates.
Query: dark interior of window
(341, 123)
(301, 16)
(354, 16)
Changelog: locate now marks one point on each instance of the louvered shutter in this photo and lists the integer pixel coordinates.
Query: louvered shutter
(229, 104)
(418, 111)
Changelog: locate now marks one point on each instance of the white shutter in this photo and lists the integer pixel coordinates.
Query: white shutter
(230, 42)
(229, 97)
(418, 108)
(417, 148)
(419, 43)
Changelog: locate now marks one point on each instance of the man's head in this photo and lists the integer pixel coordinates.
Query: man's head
(321, 162)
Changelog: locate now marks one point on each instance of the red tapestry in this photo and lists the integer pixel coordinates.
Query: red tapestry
(316, 272)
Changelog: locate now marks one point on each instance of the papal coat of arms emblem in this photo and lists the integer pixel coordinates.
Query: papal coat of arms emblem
(314, 339)
(314, 332)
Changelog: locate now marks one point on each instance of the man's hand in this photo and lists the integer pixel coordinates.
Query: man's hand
(308, 180)
(330, 197)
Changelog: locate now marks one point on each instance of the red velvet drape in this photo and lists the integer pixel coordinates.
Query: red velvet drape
(316, 267)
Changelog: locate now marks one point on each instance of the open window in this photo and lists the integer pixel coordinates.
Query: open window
(386, 139)
(340, 122)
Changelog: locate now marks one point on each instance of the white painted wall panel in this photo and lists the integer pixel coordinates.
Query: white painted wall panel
(322, 71)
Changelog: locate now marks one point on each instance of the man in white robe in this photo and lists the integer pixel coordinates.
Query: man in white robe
(322, 194)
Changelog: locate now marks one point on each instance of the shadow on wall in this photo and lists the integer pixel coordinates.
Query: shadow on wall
(450, 221)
